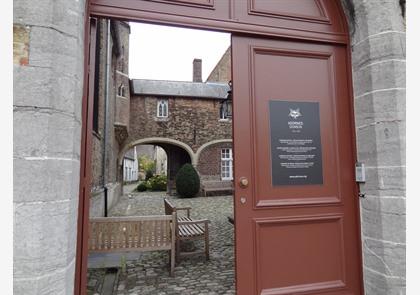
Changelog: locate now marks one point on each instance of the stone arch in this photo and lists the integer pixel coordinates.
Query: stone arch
(209, 158)
(156, 140)
(207, 144)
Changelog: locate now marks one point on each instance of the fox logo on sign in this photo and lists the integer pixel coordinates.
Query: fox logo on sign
(295, 113)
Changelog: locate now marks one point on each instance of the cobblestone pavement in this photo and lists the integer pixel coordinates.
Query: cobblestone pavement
(193, 275)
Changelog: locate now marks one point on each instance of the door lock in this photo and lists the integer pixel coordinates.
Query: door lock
(243, 182)
(243, 200)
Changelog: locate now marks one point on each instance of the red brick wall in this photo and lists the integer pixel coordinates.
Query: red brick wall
(210, 159)
(192, 121)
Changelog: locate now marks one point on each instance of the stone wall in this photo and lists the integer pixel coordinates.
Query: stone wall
(222, 71)
(378, 56)
(48, 86)
(191, 121)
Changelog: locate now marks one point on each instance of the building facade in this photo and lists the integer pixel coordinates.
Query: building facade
(110, 113)
(131, 166)
(187, 121)
(48, 89)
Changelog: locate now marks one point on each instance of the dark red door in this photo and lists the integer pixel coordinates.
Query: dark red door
(297, 224)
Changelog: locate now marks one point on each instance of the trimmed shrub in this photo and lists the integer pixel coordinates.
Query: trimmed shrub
(187, 181)
(142, 187)
(158, 183)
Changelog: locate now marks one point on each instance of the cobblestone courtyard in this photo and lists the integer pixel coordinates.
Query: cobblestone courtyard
(193, 275)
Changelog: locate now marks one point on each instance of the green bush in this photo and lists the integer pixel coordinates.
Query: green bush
(158, 183)
(149, 174)
(147, 165)
(187, 181)
(142, 187)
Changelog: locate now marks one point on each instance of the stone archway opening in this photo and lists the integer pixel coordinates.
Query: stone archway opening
(160, 159)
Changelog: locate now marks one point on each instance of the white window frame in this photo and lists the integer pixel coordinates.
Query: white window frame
(226, 156)
(162, 108)
(121, 90)
(222, 112)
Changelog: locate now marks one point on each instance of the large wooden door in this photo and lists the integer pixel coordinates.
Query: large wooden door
(296, 221)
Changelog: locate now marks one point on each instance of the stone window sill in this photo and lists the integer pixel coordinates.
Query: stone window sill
(161, 119)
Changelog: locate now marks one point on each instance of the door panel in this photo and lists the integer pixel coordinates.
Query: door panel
(310, 15)
(300, 236)
(209, 9)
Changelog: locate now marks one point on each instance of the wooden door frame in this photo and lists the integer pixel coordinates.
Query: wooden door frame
(233, 27)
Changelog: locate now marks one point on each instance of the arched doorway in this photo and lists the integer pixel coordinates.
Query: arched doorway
(321, 211)
(177, 152)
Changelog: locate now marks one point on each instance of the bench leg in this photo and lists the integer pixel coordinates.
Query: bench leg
(172, 261)
(206, 237)
(178, 250)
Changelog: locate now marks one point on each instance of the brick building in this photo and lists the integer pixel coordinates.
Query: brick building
(222, 71)
(110, 113)
(187, 120)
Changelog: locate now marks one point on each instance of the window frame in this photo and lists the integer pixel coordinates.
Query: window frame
(165, 108)
(226, 157)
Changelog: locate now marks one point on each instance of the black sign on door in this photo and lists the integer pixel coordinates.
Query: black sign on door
(296, 155)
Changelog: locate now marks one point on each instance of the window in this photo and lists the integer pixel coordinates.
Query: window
(95, 117)
(162, 108)
(121, 90)
(227, 164)
(226, 110)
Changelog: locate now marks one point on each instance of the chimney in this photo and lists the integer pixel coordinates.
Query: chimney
(197, 70)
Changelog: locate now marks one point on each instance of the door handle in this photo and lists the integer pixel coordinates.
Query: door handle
(243, 182)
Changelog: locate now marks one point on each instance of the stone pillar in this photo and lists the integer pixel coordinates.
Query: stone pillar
(378, 56)
(48, 85)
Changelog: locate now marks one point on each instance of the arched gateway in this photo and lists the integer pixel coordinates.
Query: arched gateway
(297, 223)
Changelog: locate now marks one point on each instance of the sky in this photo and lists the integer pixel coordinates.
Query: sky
(167, 53)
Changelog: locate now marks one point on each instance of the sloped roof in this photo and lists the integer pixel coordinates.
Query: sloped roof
(179, 88)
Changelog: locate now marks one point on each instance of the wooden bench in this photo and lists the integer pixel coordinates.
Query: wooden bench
(209, 186)
(188, 229)
(134, 233)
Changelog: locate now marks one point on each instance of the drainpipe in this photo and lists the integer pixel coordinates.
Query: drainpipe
(106, 115)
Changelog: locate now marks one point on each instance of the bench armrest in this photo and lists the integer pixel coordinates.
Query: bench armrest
(184, 209)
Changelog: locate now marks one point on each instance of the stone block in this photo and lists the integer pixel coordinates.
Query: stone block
(63, 15)
(373, 17)
(45, 180)
(60, 282)
(379, 47)
(44, 237)
(378, 284)
(384, 257)
(20, 45)
(51, 48)
(45, 132)
(383, 224)
(384, 181)
(381, 143)
(380, 106)
(384, 75)
(44, 88)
